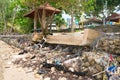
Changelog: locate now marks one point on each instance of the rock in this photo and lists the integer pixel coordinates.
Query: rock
(17, 57)
(87, 64)
(68, 63)
(99, 77)
(47, 78)
(41, 72)
(71, 69)
(50, 61)
(92, 71)
(53, 69)
(108, 44)
(98, 67)
(65, 50)
(73, 64)
(9, 62)
(80, 77)
(118, 58)
(92, 62)
(62, 78)
(61, 72)
(37, 37)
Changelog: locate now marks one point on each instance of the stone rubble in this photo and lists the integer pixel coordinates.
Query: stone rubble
(58, 62)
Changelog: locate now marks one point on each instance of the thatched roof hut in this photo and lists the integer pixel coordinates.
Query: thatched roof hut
(48, 9)
(114, 17)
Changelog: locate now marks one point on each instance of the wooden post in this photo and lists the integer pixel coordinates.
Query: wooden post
(82, 25)
(43, 20)
(35, 20)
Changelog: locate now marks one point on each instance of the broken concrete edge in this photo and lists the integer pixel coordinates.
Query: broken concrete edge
(84, 39)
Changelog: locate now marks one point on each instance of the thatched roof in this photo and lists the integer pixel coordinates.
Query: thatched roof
(114, 17)
(48, 8)
(92, 20)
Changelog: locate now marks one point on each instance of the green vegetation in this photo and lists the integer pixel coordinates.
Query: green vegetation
(59, 21)
(12, 11)
(92, 27)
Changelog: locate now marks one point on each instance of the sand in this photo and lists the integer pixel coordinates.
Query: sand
(8, 71)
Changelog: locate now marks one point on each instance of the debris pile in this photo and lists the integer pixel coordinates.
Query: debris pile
(110, 43)
(62, 62)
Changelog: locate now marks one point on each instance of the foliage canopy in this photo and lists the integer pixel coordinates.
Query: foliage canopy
(12, 11)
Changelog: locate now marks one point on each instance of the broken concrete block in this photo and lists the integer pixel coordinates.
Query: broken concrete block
(88, 36)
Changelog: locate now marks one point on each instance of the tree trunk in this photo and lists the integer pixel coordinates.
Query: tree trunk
(5, 23)
(104, 22)
(35, 20)
(72, 29)
(13, 20)
(43, 24)
(4, 20)
(49, 22)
